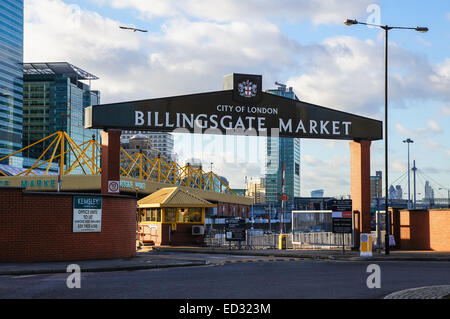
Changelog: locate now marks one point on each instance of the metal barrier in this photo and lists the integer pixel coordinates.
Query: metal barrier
(216, 238)
(321, 240)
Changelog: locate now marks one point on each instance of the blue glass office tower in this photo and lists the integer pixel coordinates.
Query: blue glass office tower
(281, 151)
(11, 83)
(54, 100)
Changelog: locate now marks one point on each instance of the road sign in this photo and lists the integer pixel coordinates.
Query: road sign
(341, 205)
(342, 222)
(113, 187)
(235, 229)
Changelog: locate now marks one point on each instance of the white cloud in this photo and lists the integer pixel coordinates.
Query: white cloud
(318, 11)
(331, 174)
(348, 73)
(440, 78)
(434, 126)
(192, 54)
(445, 110)
(431, 130)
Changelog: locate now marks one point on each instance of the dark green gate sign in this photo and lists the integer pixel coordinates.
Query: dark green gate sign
(242, 108)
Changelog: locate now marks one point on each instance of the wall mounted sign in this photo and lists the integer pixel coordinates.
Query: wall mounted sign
(87, 214)
(241, 109)
(114, 187)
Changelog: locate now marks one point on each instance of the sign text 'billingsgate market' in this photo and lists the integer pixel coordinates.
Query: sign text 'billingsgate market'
(151, 119)
(242, 108)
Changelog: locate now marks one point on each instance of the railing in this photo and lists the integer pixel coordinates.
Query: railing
(217, 239)
(321, 240)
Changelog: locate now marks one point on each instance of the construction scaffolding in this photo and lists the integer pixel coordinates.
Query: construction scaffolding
(85, 159)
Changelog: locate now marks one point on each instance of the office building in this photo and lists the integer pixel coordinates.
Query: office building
(376, 184)
(317, 193)
(279, 152)
(399, 192)
(256, 188)
(11, 79)
(161, 141)
(429, 192)
(392, 192)
(54, 100)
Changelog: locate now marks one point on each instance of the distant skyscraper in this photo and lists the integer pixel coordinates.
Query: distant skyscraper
(281, 151)
(317, 193)
(11, 78)
(429, 192)
(399, 192)
(162, 141)
(376, 185)
(256, 188)
(392, 192)
(54, 100)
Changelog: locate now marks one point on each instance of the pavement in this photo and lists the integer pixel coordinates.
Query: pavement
(164, 257)
(431, 292)
(323, 254)
(141, 261)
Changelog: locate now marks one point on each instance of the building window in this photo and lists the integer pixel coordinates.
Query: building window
(189, 215)
(150, 215)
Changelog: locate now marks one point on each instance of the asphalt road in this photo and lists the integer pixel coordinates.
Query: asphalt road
(256, 280)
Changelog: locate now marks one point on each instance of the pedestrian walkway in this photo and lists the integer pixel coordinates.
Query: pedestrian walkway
(329, 254)
(432, 292)
(141, 261)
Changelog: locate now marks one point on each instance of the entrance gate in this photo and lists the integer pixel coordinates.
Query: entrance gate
(242, 108)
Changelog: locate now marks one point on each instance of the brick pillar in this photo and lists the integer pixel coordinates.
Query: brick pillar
(110, 160)
(360, 185)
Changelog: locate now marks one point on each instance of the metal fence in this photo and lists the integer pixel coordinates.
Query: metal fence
(254, 240)
(260, 240)
(321, 240)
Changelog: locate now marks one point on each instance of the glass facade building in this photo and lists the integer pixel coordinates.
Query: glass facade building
(281, 151)
(11, 77)
(54, 100)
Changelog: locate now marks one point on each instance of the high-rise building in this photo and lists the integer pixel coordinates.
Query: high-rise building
(376, 185)
(256, 188)
(279, 152)
(317, 193)
(54, 100)
(11, 82)
(161, 141)
(429, 192)
(392, 192)
(399, 192)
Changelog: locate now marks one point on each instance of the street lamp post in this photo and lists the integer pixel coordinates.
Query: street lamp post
(386, 28)
(409, 141)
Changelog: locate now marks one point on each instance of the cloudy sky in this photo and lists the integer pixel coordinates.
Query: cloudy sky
(192, 44)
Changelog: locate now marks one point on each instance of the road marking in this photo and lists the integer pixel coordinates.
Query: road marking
(24, 276)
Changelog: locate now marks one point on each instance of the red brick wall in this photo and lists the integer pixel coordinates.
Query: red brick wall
(422, 229)
(228, 211)
(38, 227)
(440, 230)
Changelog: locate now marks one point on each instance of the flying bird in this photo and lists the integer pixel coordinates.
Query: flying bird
(134, 29)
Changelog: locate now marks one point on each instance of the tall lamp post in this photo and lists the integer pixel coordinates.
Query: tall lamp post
(409, 141)
(386, 28)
